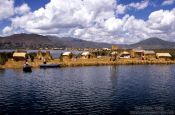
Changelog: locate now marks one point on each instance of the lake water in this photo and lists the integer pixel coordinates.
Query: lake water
(89, 90)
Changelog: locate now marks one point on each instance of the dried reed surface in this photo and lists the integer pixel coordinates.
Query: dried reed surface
(85, 62)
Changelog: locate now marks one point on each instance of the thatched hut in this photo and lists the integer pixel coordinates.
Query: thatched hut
(86, 55)
(149, 55)
(137, 53)
(163, 56)
(125, 55)
(19, 56)
(114, 53)
(67, 55)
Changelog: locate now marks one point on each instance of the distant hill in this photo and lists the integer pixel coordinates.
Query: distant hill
(153, 43)
(77, 43)
(24, 41)
(34, 41)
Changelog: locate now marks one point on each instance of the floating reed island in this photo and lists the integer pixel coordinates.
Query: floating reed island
(87, 58)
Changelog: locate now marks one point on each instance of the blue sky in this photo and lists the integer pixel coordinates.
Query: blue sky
(119, 21)
(33, 4)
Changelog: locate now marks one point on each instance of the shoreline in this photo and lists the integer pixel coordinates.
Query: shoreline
(85, 62)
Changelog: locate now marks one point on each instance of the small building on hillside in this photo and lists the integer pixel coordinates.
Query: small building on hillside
(86, 55)
(19, 56)
(149, 55)
(125, 55)
(66, 55)
(163, 56)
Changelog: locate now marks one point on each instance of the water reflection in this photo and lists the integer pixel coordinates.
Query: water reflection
(87, 90)
(113, 71)
(2, 71)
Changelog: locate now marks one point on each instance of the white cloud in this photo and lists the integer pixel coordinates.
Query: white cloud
(168, 2)
(7, 30)
(139, 5)
(95, 20)
(163, 23)
(162, 19)
(68, 14)
(113, 24)
(24, 8)
(120, 9)
(6, 9)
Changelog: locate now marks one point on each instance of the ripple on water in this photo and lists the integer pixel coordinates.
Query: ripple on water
(87, 90)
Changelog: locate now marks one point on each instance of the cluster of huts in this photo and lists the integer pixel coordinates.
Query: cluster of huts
(70, 55)
(23, 55)
(143, 55)
(140, 54)
(151, 55)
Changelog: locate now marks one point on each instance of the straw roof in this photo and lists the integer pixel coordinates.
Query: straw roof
(19, 54)
(85, 53)
(163, 55)
(113, 53)
(139, 51)
(66, 53)
(149, 52)
(125, 52)
(106, 49)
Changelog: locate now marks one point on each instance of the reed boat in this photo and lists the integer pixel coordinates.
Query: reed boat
(49, 65)
(27, 68)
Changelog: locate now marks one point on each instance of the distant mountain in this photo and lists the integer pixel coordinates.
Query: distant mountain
(34, 41)
(24, 41)
(153, 43)
(77, 43)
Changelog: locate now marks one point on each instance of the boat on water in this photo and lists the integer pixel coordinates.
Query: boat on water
(27, 68)
(49, 65)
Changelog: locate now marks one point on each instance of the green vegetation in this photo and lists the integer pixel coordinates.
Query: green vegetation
(32, 56)
(4, 56)
(101, 53)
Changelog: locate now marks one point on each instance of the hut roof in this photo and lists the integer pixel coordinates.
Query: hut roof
(149, 52)
(139, 51)
(66, 53)
(106, 49)
(19, 54)
(125, 52)
(85, 53)
(163, 55)
(113, 53)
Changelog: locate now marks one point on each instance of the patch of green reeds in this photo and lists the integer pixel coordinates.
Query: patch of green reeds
(4, 56)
